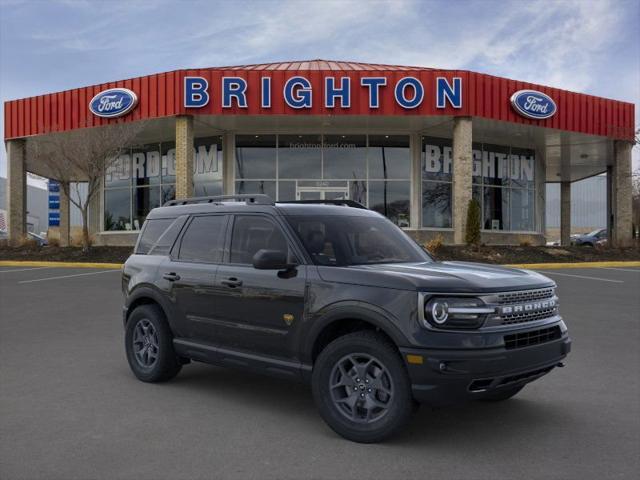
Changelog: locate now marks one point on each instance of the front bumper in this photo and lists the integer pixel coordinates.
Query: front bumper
(450, 376)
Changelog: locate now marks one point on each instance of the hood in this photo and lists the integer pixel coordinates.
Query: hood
(453, 277)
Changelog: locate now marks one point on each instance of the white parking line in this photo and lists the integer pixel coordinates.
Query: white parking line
(67, 276)
(637, 270)
(24, 269)
(546, 272)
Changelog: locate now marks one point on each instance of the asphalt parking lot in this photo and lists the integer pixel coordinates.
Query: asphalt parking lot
(70, 408)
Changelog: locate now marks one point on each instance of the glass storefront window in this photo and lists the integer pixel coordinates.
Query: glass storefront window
(117, 209)
(267, 187)
(168, 162)
(392, 199)
(522, 209)
(436, 159)
(496, 208)
(207, 167)
(146, 165)
(118, 174)
(299, 156)
(436, 204)
(345, 156)
(389, 157)
(144, 200)
(255, 156)
(497, 171)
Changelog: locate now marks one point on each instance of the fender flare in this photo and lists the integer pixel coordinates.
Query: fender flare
(352, 310)
(147, 291)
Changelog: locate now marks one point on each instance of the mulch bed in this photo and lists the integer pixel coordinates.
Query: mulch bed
(484, 254)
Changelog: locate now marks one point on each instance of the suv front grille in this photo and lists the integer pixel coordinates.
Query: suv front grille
(534, 337)
(524, 297)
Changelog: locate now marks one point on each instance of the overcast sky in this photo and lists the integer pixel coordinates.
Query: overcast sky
(582, 45)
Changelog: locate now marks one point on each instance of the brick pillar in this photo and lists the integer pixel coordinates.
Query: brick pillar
(565, 213)
(462, 175)
(228, 163)
(416, 181)
(16, 191)
(621, 185)
(184, 156)
(65, 216)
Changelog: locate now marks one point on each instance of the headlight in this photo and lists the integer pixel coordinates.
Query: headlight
(455, 312)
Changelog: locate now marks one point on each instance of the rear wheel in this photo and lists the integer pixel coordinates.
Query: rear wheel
(149, 345)
(502, 394)
(361, 387)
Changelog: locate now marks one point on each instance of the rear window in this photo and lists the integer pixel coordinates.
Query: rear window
(204, 239)
(158, 235)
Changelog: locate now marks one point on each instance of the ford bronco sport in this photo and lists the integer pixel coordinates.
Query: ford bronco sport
(336, 295)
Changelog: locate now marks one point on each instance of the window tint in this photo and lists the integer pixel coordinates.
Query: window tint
(204, 239)
(167, 239)
(344, 240)
(152, 231)
(253, 233)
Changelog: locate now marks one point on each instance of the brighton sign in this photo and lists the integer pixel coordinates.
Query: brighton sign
(113, 103)
(533, 104)
(298, 93)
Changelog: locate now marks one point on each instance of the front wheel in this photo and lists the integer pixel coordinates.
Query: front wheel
(149, 345)
(361, 387)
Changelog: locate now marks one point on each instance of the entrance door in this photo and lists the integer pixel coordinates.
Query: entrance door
(322, 193)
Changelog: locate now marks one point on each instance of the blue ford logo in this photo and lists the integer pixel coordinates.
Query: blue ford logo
(114, 102)
(533, 104)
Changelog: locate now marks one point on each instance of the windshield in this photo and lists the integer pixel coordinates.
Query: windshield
(343, 240)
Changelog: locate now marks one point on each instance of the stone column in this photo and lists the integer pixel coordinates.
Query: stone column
(16, 191)
(416, 180)
(65, 216)
(184, 156)
(462, 175)
(228, 163)
(565, 213)
(621, 184)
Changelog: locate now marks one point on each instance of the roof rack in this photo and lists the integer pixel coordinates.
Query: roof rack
(257, 199)
(346, 203)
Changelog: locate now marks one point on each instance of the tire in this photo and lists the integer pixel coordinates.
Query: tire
(148, 331)
(369, 403)
(501, 394)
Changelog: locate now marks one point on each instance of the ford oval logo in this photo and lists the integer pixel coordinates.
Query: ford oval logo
(114, 102)
(533, 104)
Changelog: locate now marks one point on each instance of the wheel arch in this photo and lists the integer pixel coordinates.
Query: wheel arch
(344, 319)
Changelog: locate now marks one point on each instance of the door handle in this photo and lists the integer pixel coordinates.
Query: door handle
(171, 276)
(232, 282)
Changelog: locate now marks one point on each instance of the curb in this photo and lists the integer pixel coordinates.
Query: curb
(29, 263)
(548, 266)
(532, 266)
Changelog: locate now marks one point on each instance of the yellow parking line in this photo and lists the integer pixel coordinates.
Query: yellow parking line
(29, 263)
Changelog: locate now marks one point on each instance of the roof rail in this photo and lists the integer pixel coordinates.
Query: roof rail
(346, 203)
(257, 199)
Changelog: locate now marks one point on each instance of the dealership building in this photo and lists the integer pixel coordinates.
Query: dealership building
(415, 144)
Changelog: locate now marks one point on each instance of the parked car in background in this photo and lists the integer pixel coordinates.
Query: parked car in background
(591, 239)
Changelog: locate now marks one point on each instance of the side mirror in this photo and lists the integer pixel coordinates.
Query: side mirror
(271, 260)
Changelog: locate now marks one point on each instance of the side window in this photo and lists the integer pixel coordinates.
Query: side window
(204, 239)
(151, 232)
(252, 233)
(167, 239)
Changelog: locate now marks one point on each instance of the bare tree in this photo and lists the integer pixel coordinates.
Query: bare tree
(82, 156)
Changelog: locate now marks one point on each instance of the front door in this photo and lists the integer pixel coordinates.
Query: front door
(322, 192)
(257, 310)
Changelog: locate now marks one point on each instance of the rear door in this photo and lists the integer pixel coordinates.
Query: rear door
(189, 274)
(257, 310)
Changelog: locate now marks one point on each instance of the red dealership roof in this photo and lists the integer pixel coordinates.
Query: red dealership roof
(161, 95)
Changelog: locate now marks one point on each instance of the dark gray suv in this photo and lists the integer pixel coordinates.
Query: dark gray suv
(337, 296)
